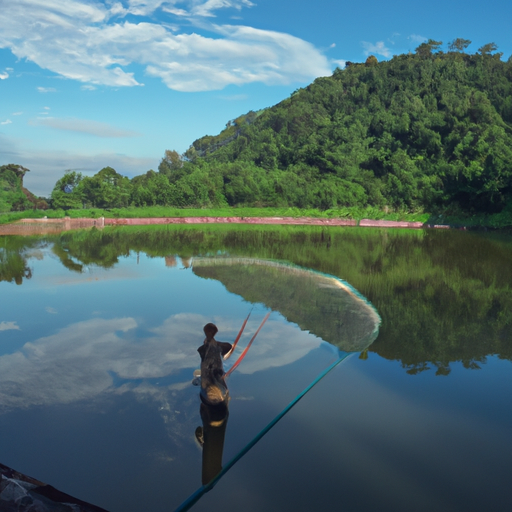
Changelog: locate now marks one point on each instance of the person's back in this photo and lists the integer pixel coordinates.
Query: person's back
(214, 390)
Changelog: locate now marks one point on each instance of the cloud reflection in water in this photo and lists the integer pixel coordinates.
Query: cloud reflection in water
(82, 360)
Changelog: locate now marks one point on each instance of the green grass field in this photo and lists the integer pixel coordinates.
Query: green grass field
(497, 221)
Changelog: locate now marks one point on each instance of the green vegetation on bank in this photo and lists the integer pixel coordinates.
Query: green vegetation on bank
(502, 220)
(356, 213)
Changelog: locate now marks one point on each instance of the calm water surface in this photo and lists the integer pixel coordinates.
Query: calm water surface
(99, 336)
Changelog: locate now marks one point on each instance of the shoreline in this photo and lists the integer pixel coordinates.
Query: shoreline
(54, 226)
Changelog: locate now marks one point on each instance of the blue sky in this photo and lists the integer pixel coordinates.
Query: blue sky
(86, 84)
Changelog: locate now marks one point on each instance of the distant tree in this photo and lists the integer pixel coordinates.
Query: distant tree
(371, 61)
(488, 48)
(106, 189)
(65, 193)
(171, 162)
(412, 132)
(12, 195)
(426, 49)
(152, 189)
(459, 44)
(191, 154)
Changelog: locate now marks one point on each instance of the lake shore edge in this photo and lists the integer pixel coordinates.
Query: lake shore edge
(31, 225)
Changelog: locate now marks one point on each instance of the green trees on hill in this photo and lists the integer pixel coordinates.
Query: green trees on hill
(66, 193)
(425, 130)
(13, 195)
(106, 189)
(430, 130)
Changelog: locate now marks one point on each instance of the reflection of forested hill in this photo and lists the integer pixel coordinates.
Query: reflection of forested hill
(317, 303)
(443, 296)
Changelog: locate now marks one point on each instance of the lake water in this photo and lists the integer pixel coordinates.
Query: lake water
(99, 333)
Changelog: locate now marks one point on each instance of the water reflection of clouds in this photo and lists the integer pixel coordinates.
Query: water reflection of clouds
(36, 254)
(278, 344)
(91, 275)
(81, 360)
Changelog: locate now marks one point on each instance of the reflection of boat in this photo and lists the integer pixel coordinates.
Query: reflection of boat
(324, 305)
(23, 493)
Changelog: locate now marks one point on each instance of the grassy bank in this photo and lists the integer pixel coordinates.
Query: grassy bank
(495, 221)
(160, 211)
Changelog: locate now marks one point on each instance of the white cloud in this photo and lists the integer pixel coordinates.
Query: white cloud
(117, 9)
(378, 48)
(68, 366)
(144, 7)
(17, 113)
(415, 38)
(4, 76)
(44, 90)
(340, 63)
(175, 11)
(93, 44)
(88, 88)
(87, 126)
(206, 9)
(7, 121)
(8, 326)
(243, 55)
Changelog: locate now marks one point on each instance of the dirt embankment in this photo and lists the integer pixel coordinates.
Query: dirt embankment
(49, 226)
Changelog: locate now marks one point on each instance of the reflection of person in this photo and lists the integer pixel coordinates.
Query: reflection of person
(214, 407)
(211, 438)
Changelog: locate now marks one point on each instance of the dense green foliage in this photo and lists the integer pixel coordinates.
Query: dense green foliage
(106, 189)
(442, 296)
(13, 196)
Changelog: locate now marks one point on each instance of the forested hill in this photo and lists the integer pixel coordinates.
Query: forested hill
(424, 130)
(431, 130)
